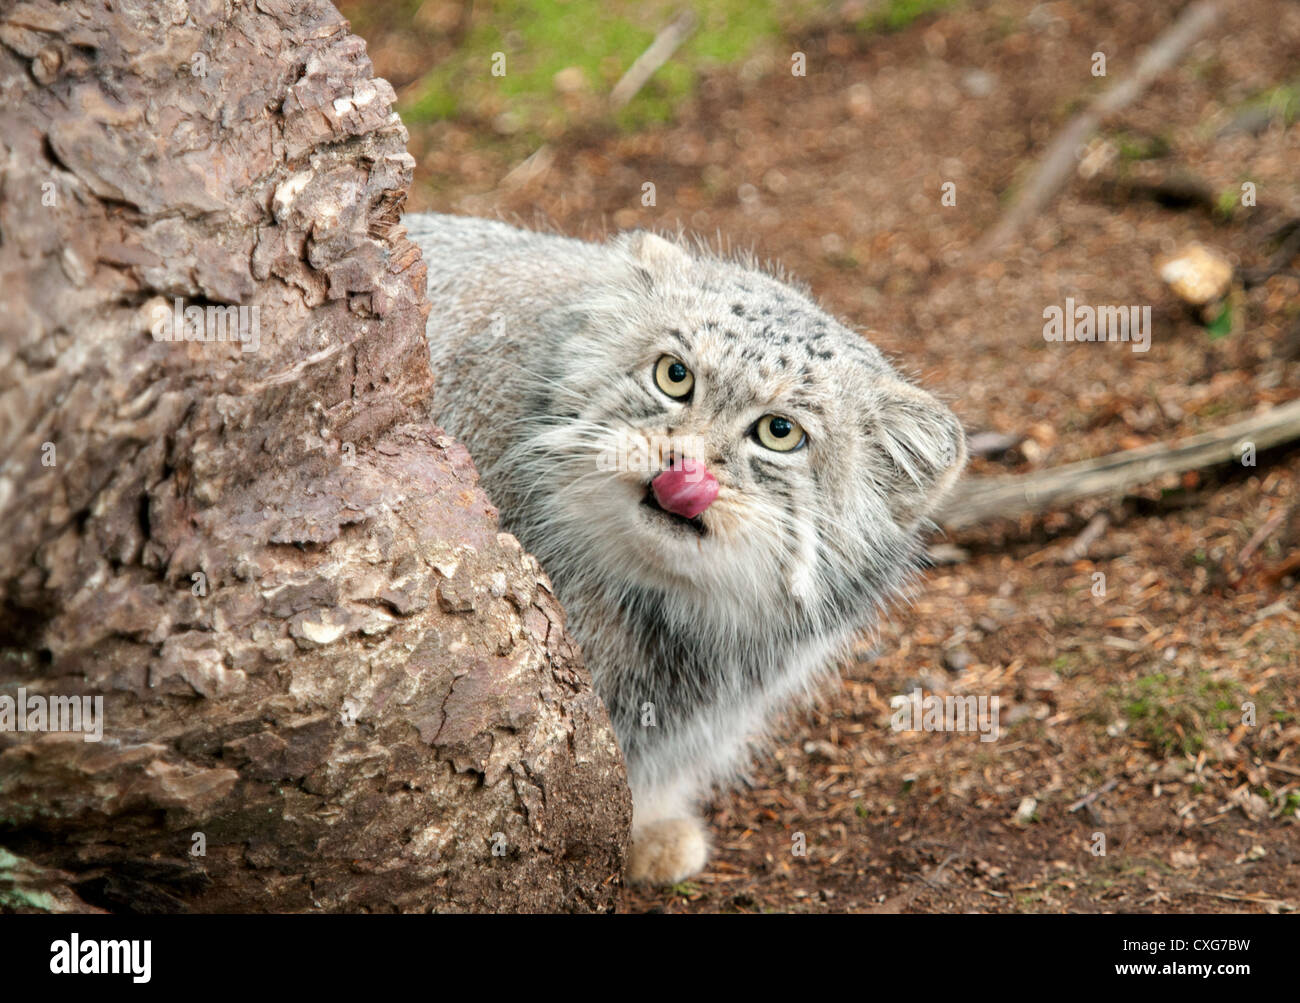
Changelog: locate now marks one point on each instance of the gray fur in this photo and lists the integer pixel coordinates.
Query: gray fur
(543, 349)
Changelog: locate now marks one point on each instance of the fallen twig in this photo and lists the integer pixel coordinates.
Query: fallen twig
(1058, 164)
(1262, 900)
(933, 879)
(638, 74)
(1084, 541)
(530, 168)
(981, 499)
(1260, 535)
(1088, 799)
(1272, 576)
(660, 51)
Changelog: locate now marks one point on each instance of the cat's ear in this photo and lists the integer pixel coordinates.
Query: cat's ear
(923, 448)
(656, 255)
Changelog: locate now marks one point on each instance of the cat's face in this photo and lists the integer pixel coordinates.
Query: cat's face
(804, 463)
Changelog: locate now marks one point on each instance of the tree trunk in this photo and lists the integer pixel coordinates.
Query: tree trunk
(329, 682)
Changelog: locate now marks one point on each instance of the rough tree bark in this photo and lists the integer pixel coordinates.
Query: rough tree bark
(314, 646)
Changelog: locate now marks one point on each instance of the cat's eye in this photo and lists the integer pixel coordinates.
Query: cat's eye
(784, 435)
(673, 378)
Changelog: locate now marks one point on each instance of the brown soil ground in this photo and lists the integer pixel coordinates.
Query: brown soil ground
(1136, 695)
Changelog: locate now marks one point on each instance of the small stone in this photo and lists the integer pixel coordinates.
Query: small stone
(507, 123)
(1256, 852)
(1251, 804)
(940, 554)
(570, 80)
(821, 749)
(991, 444)
(977, 83)
(957, 659)
(860, 102)
(1196, 274)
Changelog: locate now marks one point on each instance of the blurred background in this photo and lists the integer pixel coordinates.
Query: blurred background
(871, 147)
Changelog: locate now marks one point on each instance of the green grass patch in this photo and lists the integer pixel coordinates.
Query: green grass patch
(1175, 714)
(1222, 324)
(895, 15)
(594, 42)
(1282, 103)
(1226, 203)
(594, 38)
(1134, 146)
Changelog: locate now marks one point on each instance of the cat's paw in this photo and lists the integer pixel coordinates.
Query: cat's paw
(667, 851)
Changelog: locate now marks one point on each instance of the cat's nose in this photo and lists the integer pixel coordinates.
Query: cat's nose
(686, 488)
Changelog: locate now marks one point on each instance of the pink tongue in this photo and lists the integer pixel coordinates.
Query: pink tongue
(686, 490)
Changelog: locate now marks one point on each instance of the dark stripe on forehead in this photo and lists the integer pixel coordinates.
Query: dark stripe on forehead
(678, 337)
(805, 404)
